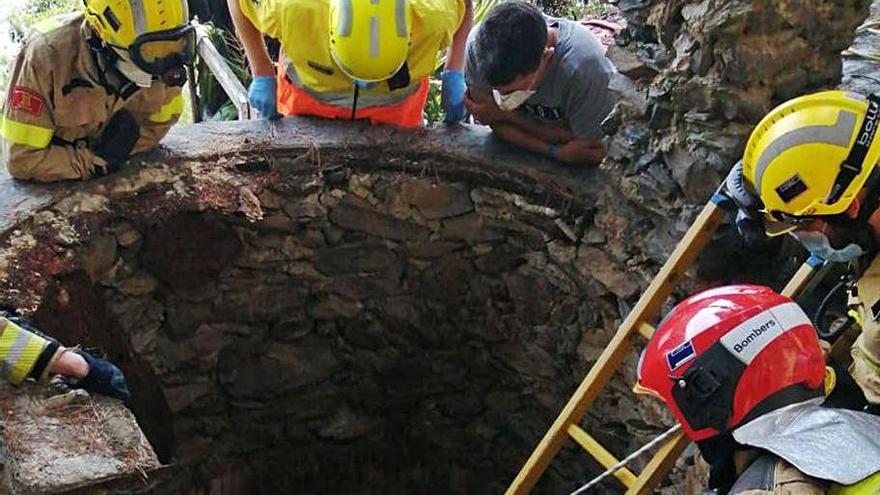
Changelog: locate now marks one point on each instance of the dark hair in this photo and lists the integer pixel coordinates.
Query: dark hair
(510, 41)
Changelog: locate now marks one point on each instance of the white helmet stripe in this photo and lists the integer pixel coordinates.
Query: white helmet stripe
(750, 337)
(374, 36)
(139, 12)
(838, 134)
(400, 17)
(345, 18)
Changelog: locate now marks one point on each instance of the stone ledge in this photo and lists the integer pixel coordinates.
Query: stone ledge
(53, 445)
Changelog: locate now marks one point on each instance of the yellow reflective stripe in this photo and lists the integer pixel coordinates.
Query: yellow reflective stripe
(168, 111)
(868, 486)
(47, 25)
(27, 134)
(19, 351)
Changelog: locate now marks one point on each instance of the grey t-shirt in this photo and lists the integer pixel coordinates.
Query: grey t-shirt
(574, 90)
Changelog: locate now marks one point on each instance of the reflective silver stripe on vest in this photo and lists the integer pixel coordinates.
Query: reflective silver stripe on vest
(345, 18)
(15, 351)
(400, 14)
(346, 99)
(838, 134)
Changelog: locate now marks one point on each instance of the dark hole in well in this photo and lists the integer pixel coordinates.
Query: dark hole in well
(337, 346)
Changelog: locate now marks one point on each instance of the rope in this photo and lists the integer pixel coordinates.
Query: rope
(648, 446)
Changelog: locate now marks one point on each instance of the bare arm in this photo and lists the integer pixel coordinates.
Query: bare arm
(482, 106)
(581, 152)
(252, 41)
(455, 59)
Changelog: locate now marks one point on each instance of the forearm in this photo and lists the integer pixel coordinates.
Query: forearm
(69, 364)
(521, 138)
(581, 152)
(50, 164)
(252, 41)
(547, 132)
(455, 58)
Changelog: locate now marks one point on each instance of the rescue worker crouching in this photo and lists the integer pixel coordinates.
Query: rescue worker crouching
(810, 169)
(89, 90)
(351, 59)
(742, 370)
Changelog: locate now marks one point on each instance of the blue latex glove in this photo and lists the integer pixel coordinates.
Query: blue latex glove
(261, 96)
(452, 95)
(104, 378)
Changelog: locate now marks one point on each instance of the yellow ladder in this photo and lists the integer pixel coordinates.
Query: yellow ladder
(636, 324)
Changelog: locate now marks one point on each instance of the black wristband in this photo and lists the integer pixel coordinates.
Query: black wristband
(44, 360)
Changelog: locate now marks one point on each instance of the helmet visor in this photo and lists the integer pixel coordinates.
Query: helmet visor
(160, 52)
(778, 223)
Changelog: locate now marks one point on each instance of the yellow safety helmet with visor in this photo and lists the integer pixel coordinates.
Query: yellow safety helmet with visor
(811, 156)
(370, 39)
(155, 35)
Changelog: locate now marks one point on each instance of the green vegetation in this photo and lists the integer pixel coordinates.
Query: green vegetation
(37, 10)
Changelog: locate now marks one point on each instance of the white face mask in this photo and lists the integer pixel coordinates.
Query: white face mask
(132, 72)
(513, 100)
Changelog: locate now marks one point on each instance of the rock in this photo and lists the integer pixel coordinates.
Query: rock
(249, 204)
(139, 284)
(437, 200)
(372, 222)
(332, 307)
(181, 397)
(362, 257)
(595, 263)
(99, 256)
(471, 228)
(345, 424)
(127, 235)
(278, 370)
(628, 63)
(501, 258)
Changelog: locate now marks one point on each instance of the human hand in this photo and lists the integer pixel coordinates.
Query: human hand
(485, 110)
(452, 95)
(103, 378)
(117, 140)
(261, 95)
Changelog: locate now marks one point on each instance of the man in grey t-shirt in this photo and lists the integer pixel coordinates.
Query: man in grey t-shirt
(541, 83)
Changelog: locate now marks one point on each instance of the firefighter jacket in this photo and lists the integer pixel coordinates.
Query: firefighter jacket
(61, 96)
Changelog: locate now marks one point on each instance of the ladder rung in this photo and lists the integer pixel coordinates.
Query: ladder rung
(646, 330)
(605, 458)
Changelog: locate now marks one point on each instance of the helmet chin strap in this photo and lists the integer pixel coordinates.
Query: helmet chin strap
(133, 73)
(105, 60)
(852, 165)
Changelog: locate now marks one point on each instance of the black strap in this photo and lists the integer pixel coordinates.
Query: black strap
(108, 56)
(43, 360)
(852, 165)
(354, 104)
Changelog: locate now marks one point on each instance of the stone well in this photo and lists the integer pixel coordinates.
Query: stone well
(342, 309)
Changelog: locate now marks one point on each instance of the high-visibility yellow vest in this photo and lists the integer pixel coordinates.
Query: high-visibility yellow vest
(303, 28)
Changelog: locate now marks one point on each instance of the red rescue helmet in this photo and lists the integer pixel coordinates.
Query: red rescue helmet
(728, 355)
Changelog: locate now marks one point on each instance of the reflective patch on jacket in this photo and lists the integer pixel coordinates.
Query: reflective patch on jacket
(19, 351)
(811, 437)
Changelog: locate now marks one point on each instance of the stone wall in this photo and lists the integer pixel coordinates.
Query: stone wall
(407, 311)
(705, 72)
